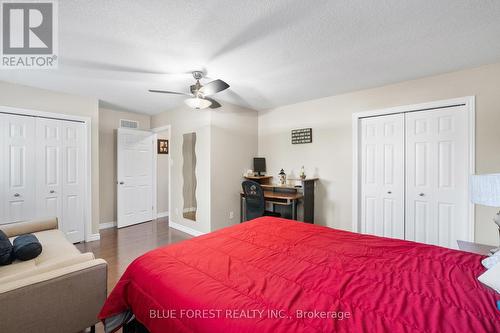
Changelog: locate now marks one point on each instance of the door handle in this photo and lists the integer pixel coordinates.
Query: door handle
(52, 191)
(17, 195)
(421, 194)
(121, 183)
(389, 192)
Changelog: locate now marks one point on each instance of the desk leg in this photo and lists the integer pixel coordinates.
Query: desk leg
(294, 210)
(241, 209)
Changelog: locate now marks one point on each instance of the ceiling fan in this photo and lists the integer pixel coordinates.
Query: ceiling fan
(199, 96)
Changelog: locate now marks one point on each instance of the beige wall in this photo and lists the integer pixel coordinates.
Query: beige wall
(109, 121)
(330, 154)
(49, 101)
(162, 177)
(233, 146)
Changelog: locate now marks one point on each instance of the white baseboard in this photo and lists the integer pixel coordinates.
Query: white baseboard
(92, 237)
(107, 225)
(162, 214)
(185, 229)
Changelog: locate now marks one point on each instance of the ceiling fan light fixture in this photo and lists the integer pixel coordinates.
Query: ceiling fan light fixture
(198, 103)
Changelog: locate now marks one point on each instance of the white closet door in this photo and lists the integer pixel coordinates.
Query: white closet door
(3, 179)
(436, 180)
(73, 180)
(49, 168)
(135, 177)
(382, 181)
(19, 170)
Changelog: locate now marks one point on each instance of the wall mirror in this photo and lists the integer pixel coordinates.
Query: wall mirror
(189, 176)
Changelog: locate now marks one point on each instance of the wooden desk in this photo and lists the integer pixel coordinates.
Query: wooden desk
(305, 187)
(262, 180)
(277, 198)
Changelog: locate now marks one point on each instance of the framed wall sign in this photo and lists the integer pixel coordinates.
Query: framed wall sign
(301, 135)
(162, 146)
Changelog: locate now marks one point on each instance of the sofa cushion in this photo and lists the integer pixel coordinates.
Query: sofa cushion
(5, 249)
(48, 266)
(28, 227)
(55, 248)
(26, 247)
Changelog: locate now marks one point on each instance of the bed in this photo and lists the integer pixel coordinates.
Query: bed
(277, 275)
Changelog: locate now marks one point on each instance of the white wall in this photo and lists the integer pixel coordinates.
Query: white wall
(109, 121)
(19, 96)
(234, 144)
(330, 155)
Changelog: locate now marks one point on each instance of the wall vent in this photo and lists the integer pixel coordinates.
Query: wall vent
(125, 123)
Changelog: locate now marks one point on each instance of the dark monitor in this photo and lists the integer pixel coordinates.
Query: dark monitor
(259, 165)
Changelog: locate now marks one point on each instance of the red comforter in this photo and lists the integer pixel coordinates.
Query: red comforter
(276, 275)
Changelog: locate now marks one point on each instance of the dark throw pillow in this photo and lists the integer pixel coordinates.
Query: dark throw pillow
(5, 249)
(26, 247)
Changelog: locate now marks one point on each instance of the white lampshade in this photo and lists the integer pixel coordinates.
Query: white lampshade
(198, 103)
(485, 189)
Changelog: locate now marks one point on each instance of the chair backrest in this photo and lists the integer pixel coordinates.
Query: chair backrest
(254, 199)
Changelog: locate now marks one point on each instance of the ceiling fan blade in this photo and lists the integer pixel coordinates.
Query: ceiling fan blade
(213, 87)
(214, 104)
(169, 92)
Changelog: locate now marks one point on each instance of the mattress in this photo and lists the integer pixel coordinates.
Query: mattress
(277, 275)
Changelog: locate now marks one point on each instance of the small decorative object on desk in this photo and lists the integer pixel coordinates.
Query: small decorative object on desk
(282, 176)
(302, 174)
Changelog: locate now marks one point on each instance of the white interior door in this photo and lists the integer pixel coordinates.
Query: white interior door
(134, 176)
(437, 178)
(382, 180)
(18, 168)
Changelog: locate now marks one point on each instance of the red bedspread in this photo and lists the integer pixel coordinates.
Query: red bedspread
(276, 275)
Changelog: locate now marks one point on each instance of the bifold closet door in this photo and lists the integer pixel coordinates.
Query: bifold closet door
(73, 177)
(60, 174)
(18, 168)
(49, 169)
(436, 177)
(382, 180)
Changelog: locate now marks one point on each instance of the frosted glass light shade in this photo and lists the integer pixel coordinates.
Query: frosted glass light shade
(485, 189)
(198, 103)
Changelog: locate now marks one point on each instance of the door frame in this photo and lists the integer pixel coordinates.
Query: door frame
(87, 121)
(153, 174)
(469, 102)
(156, 130)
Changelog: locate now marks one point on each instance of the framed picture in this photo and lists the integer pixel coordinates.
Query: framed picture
(162, 146)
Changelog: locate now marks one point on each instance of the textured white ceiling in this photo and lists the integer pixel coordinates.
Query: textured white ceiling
(272, 53)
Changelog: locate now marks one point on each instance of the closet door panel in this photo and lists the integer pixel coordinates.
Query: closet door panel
(73, 180)
(19, 168)
(49, 173)
(382, 181)
(436, 149)
(3, 178)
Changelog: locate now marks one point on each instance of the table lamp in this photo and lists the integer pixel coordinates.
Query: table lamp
(485, 190)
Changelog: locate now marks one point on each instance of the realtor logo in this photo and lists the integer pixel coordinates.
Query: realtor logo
(29, 34)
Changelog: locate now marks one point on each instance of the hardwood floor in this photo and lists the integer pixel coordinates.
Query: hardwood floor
(119, 247)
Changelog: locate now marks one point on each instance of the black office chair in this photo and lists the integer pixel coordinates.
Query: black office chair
(255, 205)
